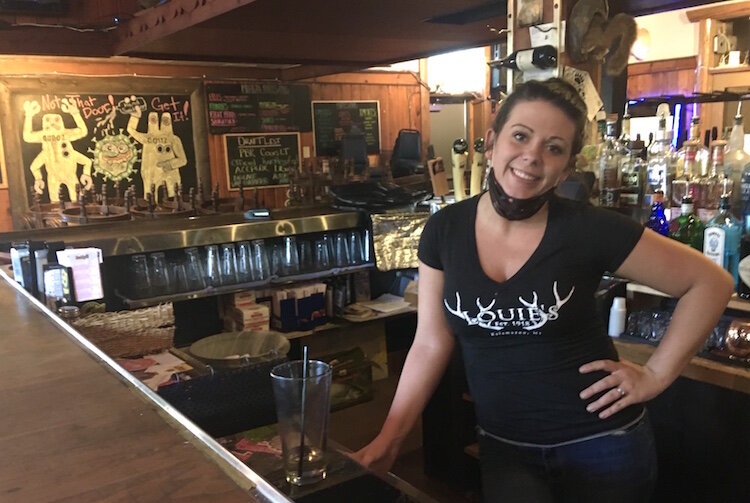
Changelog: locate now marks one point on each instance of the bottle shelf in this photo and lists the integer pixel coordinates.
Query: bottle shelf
(239, 287)
(735, 302)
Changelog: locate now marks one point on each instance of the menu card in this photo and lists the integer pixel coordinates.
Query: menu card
(87, 275)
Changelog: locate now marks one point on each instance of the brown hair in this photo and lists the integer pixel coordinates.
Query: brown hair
(554, 91)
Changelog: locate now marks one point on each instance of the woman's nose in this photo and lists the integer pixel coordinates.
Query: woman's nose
(532, 152)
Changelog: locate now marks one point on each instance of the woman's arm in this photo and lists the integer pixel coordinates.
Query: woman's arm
(427, 359)
(703, 289)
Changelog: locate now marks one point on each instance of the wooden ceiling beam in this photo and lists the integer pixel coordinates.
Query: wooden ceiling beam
(167, 19)
(311, 71)
(301, 48)
(721, 11)
(54, 42)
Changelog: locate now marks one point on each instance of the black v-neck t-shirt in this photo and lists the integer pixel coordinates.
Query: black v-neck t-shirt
(524, 339)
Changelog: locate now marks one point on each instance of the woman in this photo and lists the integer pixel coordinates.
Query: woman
(511, 276)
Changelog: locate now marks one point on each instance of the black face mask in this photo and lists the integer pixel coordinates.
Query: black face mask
(513, 208)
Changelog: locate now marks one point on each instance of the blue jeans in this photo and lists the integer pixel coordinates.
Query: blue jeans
(616, 468)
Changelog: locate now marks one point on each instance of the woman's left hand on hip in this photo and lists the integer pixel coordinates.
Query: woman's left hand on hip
(626, 384)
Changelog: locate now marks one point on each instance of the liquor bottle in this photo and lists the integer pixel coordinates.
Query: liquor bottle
(624, 138)
(538, 58)
(711, 184)
(687, 228)
(735, 159)
(660, 162)
(721, 236)
(633, 176)
(609, 166)
(657, 220)
(745, 190)
(692, 164)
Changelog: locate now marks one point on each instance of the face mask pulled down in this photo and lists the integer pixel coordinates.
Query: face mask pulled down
(513, 208)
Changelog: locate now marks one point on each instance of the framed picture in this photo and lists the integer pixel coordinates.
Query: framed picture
(100, 133)
(529, 12)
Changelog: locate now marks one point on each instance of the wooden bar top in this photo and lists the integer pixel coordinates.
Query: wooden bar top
(73, 429)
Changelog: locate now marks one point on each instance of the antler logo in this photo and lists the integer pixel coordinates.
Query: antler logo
(530, 317)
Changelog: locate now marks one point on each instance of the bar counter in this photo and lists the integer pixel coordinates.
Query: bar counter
(77, 427)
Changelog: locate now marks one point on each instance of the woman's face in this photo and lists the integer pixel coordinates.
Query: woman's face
(530, 154)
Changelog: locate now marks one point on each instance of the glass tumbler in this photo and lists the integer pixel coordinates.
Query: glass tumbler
(178, 277)
(228, 264)
(290, 258)
(196, 277)
(261, 269)
(341, 256)
(355, 248)
(160, 283)
(213, 276)
(141, 278)
(366, 253)
(322, 258)
(276, 259)
(305, 256)
(244, 262)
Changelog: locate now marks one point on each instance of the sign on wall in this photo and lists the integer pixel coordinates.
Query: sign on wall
(332, 120)
(106, 139)
(257, 107)
(261, 159)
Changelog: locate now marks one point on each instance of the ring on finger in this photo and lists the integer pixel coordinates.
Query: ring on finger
(621, 392)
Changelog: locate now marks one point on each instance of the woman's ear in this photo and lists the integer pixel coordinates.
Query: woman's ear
(489, 143)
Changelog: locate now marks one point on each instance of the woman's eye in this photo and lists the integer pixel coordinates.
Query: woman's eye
(556, 149)
(518, 136)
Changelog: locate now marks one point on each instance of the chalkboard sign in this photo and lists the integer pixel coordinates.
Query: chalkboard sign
(261, 159)
(113, 139)
(258, 107)
(332, 120)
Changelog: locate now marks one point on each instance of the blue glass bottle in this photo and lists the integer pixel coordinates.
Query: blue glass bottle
(657, 220)
(721, 238)
(745, 188)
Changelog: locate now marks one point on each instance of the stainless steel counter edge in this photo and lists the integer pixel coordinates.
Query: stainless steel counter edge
(257, 487)
(124, 238)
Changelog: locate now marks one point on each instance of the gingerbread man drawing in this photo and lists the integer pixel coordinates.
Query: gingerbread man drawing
(162, 154)
(58, 156)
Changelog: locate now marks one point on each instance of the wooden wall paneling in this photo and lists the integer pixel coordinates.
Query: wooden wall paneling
(6, 221)
(656, 78)
(424, 106)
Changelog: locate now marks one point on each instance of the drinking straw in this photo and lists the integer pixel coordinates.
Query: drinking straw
(302, 412)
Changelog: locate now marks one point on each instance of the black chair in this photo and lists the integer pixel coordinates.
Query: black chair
(354, 148)
(407, 154)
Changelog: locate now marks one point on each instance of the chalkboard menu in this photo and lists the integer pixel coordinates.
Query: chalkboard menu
(95, 139)
(261, 159)
(332, 120)
(258, 107)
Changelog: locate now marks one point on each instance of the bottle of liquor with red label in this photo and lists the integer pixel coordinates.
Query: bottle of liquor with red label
(692, 164)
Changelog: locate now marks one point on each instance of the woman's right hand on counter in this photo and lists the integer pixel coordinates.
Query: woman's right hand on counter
(378, 456)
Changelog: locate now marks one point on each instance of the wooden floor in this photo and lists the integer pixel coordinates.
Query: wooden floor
(355, 426)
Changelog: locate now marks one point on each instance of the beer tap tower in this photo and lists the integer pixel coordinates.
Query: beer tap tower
(459, 153)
